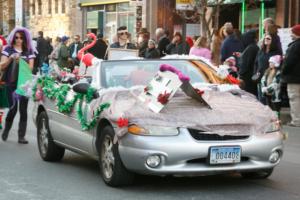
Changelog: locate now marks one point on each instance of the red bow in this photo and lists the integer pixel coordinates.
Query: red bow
(122, 122)
(233, 80)
(200, 92)
(163, 98)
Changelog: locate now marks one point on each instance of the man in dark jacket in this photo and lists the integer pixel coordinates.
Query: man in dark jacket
(123, 39)
(291, 75)
(163, 41)
(231, 43)
(247, 61)
(42, 48)
(99, 50)
(74, 48)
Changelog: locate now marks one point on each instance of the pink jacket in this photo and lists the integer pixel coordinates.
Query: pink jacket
(202, 52)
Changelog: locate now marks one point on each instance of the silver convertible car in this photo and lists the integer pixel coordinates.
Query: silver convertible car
(230, 132)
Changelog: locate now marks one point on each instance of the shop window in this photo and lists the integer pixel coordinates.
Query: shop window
(110, 8)
(39, 7)
(49, 6)
(56, 6)
(63, 7)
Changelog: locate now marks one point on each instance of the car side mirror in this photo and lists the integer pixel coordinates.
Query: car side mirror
(82, 88)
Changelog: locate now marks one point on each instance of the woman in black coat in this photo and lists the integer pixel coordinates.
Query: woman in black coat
(269, 48)
(247, 61)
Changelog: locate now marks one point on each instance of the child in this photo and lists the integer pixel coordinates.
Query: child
(270, 83)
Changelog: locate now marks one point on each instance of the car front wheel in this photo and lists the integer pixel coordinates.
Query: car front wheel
(261, 174)
(49, 151)
(113, 171)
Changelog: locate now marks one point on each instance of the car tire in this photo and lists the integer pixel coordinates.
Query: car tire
(49, 151)
(261, 174)
(113, 171)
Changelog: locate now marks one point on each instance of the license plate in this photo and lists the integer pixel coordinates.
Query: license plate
(225, 155)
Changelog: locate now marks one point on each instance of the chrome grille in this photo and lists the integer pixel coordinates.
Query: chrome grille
(200, 135)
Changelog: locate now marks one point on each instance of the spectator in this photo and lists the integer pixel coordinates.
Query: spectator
(163, 41)
(73, 50)
(19, 45)
(99, 50)
(123, 39)
(268, 49)
(63, 53)
(189, 41)
(231, 44)
(43, 51)
(54, 53)
(247, 61)
(200, 48)
(178, 45)
(143, 38)
(291, 75)
(49, 48)
(217, 41)
(151, 51)
(270, 83)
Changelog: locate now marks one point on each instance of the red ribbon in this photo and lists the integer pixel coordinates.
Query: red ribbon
(122, 122)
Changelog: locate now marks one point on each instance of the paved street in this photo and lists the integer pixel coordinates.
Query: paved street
(23, 175)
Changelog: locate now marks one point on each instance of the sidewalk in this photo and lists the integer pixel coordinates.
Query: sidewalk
(285, 115)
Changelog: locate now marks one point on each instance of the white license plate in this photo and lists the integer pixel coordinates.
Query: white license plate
(225, 155)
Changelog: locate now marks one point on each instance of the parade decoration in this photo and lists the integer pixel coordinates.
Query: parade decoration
(122, 122)
(88, 59)
(163, 98)
(46, 87)
(164, 85)
(223, 73)
(24, 77)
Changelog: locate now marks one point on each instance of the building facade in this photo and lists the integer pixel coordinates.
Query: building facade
(7, 16)
(53, 17)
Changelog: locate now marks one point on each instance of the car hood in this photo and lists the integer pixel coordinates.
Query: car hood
(229, 113)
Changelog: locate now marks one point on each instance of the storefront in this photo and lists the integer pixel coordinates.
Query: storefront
(106, 16)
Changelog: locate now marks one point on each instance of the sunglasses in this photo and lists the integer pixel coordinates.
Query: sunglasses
(123, 33)
(268, 38)
(21, 38)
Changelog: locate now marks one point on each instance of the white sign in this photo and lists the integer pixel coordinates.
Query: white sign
(117, 54)
(185, 4)
(285, 38)
(19, 12)
(164, 85)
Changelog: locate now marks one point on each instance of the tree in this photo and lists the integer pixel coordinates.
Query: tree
(204, 12)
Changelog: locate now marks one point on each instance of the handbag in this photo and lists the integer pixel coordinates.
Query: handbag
(14, 72)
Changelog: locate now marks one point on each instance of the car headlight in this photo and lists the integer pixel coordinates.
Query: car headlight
(273, 127)
(153, 130)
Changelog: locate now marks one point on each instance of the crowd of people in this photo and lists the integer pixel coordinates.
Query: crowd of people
(260, 64)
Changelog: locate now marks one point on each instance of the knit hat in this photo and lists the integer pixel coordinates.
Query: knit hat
(296, 29)
(64, 38)
(276, 60)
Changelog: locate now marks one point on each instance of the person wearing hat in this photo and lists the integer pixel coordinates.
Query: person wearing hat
(291, 75)
(151, 51)
(270, 83)
(123, 39)
(143, 38)
(99, 50)
(63, 53)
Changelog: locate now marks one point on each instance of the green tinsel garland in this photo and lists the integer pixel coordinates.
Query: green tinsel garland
(60, 93)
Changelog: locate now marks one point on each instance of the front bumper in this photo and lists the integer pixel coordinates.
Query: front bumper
(184, 155)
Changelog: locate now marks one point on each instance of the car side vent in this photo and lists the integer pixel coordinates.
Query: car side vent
(200, 135)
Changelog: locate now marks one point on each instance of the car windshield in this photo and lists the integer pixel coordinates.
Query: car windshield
(128, 73)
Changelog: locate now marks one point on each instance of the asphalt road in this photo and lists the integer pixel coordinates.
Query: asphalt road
(23, 175)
